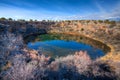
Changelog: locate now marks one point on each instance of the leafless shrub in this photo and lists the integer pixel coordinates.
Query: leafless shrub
(20, 69)
(71, 67)
(116, 67)
(9, 44)
(101, 70)
(80, 60)
(10, 41)
(78, 67)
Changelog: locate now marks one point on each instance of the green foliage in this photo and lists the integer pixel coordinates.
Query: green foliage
(21, 20)
(10, 19)
(95, 22)
(3, 18)
(43, 20)
(100, 21)
(82, 29)
(113, 22)
(49, 37)
(88, 21)
(35, 20)
(106, 21)
(31, 20)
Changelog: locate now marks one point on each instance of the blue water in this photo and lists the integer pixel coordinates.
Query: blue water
(62, 48)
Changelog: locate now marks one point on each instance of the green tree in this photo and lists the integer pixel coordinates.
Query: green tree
(43, 20)
(21, 20)
(31, 20)
(82, 29)
(3, 18)
(88, 21)
(35, 20)
(10, 19)
(106, 21)
(112, 23)
(100, 21)
(95, 22)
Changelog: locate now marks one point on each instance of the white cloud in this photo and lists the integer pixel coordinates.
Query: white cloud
(100, 7)
(40, 14)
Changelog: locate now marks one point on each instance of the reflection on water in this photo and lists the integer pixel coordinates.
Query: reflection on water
(62, 45)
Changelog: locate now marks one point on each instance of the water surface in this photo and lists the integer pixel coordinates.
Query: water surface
(62, 45)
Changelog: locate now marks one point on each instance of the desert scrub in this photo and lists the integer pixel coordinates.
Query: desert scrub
(9, 45)
(25, 64)
(80, 66)
(72, 67)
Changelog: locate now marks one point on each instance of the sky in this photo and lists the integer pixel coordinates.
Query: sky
(60, 9)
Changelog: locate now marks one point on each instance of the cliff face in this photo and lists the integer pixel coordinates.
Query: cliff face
(108, 33)
(105, 32)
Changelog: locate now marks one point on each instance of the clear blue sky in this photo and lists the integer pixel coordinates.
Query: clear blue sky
(60, 9)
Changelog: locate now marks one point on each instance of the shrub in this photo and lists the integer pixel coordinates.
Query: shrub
(112, 24)
(72, 67)
(20, 70)
(3, 18)
(29, 65)
(95, 22)
(82, 29)
(100, 70)
(106, 21)
(9, 45)
(100, 21)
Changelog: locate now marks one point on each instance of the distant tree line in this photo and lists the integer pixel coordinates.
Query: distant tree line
(22, 20)
(87, 21)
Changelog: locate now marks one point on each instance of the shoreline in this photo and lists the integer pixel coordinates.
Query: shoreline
(109, 55)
